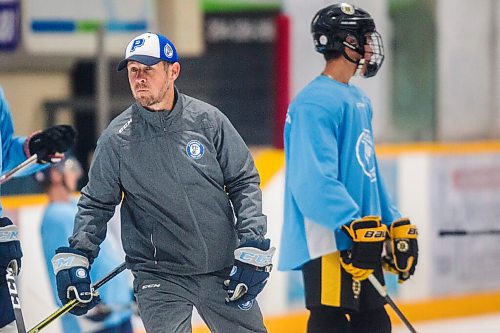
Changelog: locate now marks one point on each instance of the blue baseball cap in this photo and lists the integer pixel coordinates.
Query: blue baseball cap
(149, 49)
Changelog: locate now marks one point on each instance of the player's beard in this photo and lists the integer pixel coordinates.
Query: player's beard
(149, 99)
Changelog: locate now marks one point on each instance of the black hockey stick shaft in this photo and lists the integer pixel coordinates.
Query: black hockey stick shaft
(11, 173)
(74, 302)
(462, 232)
(381, 290)
(14, 298)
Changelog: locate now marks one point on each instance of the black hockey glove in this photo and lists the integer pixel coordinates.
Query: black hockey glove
(10, 248)
(253, 262)
(51, 143)
(368, 235)
(402, 249)
(71, 268)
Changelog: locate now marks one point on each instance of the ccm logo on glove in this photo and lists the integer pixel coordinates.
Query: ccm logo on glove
(253, 256)
(8, 233)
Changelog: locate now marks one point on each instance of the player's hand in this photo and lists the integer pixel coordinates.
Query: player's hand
(73, 281)
(51, 143)
(253, 262)
(402, 249)
(10, 248)
(368, 235)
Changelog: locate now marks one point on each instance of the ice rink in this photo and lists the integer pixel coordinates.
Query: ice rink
(477, 324)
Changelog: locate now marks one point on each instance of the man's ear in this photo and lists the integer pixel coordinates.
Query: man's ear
(175, 70)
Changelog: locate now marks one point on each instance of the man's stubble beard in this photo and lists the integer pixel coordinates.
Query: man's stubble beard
(146, 100)
(150, 100)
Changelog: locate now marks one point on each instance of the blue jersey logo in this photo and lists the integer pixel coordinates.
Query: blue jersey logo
(195, 149)
(366, 154)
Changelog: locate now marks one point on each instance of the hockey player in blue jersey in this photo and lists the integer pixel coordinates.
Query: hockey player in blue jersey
(48, 145)
(113, 313)
(337, 211)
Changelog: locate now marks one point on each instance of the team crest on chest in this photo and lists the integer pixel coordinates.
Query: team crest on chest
(365, 154)
(195, 149)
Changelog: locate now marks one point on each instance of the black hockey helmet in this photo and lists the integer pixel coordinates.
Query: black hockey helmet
(332, 25)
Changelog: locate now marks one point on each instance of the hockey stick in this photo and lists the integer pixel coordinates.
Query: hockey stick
(462, 232)
(14, 298)
(74, 302)
(11, 173)
(381, 290)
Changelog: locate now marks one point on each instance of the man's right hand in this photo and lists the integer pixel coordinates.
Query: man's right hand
(71, 268)
(368, 235)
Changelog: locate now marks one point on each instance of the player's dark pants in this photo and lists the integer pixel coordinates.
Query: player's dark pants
(340, 305)
(166, 304)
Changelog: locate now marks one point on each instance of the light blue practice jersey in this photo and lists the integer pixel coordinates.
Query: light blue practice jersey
(332, 177)
(57, 226)
(12, 146)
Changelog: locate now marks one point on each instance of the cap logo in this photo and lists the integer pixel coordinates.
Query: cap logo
(347, 8)
(169, 52)
(137, 43)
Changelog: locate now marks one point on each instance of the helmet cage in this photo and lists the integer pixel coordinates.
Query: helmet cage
(374, 46)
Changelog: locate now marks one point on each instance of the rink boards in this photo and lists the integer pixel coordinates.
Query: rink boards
(441, 187)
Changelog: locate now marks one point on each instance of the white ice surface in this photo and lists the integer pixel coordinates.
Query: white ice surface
(478, 324)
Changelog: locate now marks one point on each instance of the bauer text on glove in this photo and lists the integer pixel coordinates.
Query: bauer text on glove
(368, 235)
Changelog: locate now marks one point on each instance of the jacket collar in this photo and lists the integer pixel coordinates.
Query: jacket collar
(161, 118)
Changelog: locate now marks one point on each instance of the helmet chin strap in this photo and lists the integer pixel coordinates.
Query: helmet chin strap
(359, 63)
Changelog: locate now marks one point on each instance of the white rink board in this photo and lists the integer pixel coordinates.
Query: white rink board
(436, 191)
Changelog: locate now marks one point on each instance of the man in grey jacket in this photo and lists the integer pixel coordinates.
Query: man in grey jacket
(192, 223)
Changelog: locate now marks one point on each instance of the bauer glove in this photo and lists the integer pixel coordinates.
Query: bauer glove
(73, 281)
(402, 249)
(368, 235)
(10, 248)
(51, 143)
(253, 262)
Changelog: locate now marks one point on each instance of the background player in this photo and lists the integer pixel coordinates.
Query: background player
(49, 146)
(336, 205)
(113, 314)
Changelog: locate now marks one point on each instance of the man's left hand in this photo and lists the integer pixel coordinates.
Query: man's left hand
(253, 262)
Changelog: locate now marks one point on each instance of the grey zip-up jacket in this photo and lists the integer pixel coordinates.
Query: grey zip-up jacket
(180, 173)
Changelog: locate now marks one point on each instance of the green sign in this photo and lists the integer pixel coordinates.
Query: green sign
(214, 6)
